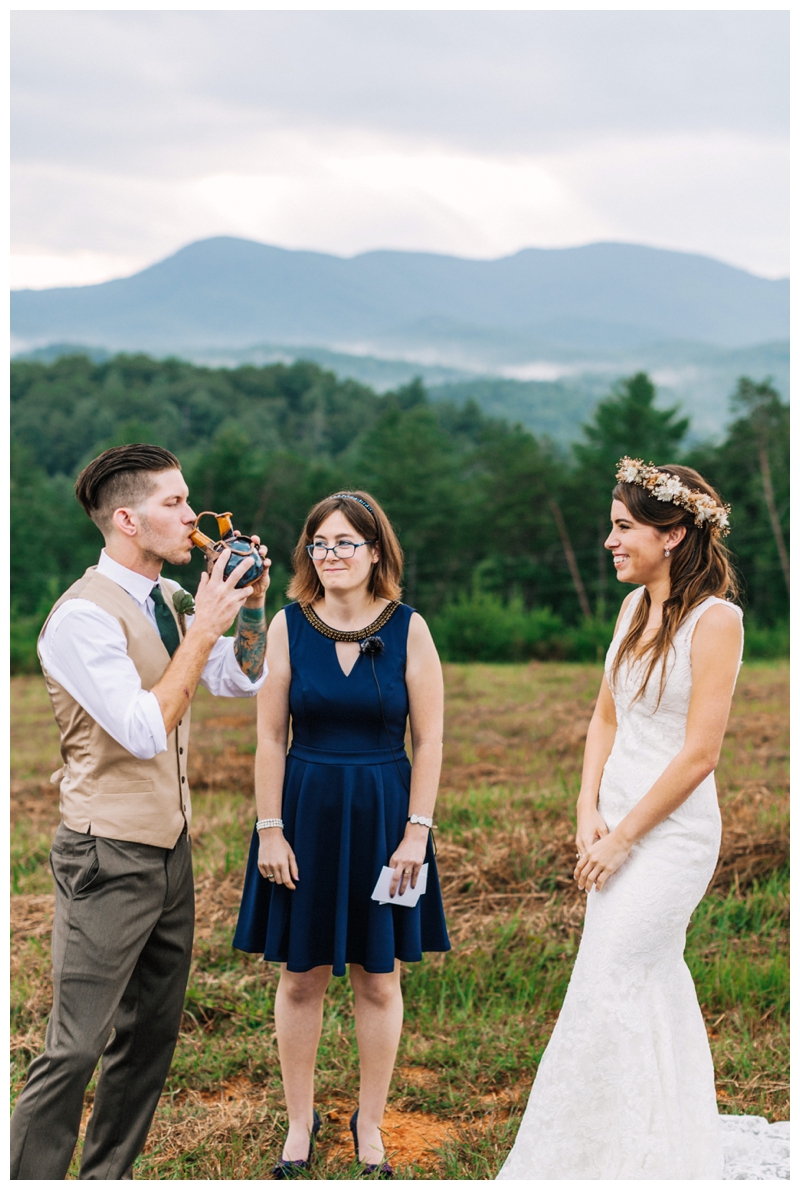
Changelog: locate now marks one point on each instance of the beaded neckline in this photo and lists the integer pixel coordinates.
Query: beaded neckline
(360, 633)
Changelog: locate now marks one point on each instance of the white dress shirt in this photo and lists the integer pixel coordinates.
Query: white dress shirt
(84, 649)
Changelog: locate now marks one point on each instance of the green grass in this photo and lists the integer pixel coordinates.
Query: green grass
(478, 1019)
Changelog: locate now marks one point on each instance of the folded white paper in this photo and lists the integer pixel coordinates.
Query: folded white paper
(409, 897)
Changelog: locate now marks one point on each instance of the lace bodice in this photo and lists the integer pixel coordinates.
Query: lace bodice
(651, 732)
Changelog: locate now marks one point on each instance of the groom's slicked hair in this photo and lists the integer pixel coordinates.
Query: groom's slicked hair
(121, 476)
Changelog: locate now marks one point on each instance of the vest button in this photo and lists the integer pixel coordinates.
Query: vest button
(181, 751)
(183, 780)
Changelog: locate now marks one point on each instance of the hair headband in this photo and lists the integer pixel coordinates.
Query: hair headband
(348, 496)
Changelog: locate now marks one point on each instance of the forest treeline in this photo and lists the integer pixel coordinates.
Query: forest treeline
(503, 532)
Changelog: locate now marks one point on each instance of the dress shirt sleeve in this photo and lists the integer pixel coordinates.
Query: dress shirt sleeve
(223, 675)
(85, 650)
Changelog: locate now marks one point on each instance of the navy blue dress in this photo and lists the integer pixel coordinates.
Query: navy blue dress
(345, 808)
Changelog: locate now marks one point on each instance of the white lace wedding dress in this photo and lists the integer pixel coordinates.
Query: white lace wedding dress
(625, 1088)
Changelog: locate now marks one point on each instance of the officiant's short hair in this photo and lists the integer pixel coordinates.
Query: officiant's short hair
(372, 524)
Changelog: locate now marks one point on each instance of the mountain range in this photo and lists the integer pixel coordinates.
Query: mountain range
(569, 304)
(537, 337)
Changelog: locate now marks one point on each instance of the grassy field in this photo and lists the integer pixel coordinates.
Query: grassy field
(478, 1019)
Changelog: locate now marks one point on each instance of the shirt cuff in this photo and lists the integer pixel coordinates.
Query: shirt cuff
(224, 676)
(150, 711)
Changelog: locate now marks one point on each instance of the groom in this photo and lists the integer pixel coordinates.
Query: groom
(121, 667)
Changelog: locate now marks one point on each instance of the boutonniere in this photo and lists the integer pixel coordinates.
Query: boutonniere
(183, 603)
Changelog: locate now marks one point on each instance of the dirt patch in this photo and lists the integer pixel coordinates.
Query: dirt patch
(416, 1076)
(216, 901)
(32, 916)
(410, 1138)
(231, 770)
(35, 802)
(205, 1118)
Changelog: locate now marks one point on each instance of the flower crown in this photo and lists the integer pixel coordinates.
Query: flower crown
(669, 488)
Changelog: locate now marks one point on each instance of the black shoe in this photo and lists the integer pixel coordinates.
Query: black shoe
(368, 1171)
(286, 1169)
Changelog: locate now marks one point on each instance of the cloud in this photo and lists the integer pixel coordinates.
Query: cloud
(468, 132)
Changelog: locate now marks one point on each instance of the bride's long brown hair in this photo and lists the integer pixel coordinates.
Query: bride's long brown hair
(700, 567)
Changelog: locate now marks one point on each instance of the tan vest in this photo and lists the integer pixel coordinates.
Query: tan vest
(104, 789)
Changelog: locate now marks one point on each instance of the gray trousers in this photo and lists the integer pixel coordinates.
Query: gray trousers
(122, 943)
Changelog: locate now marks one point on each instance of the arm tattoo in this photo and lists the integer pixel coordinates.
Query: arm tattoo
(250, 645)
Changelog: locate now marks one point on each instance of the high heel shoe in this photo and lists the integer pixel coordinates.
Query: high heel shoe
(383, 1171)
(285, 1169)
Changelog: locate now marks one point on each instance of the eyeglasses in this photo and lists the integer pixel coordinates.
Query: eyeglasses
(343, 549)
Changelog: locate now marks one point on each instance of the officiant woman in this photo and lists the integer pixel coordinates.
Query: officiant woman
(349, 664)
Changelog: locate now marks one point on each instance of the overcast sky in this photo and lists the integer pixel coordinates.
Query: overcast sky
(473, 133)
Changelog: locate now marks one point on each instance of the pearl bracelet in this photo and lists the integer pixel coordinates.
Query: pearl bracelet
(418, 818)
(264, 823)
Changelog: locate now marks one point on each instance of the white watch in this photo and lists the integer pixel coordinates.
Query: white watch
(419, 818)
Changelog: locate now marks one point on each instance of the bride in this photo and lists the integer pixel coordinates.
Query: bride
(625, 1088)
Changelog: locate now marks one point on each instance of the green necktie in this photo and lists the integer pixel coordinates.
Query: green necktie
(167, 628)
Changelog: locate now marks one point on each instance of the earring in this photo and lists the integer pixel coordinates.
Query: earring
(666, 553)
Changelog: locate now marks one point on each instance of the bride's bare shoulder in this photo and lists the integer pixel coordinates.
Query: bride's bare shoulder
(717, 639)
(719, 620)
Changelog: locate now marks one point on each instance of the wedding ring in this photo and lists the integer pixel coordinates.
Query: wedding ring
(270, 876)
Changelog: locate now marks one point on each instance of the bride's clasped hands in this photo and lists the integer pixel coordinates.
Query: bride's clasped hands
(601, 859)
